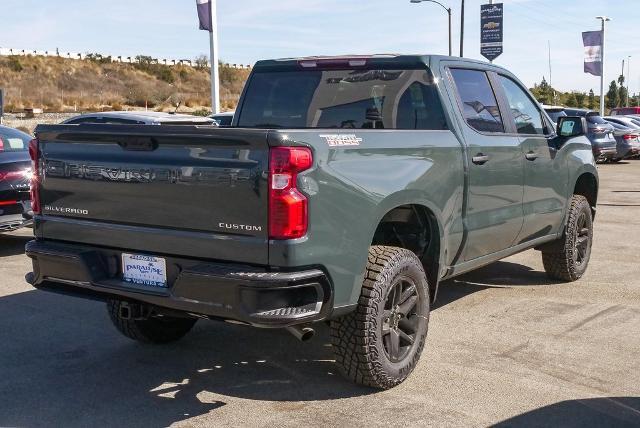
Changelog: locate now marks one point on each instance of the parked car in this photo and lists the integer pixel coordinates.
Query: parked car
(139, 118)
(600, 133)
(223, 119)
(350, 189)
(626, 121)
(627, 142)
(15, 176)
(555, 112)
(621, 111)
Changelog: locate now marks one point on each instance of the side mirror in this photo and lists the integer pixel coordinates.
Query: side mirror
(571, 126)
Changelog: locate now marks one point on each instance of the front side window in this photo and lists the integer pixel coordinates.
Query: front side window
(527, 116)
(479, 105)
(350, 99)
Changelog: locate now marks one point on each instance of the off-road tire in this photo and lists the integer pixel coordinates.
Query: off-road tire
(155, 329)
(359, 344)
(561, 258)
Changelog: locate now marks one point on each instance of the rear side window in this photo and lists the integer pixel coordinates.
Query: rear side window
(12, 140)
(350, 99)
(479, 105)
(527, 116)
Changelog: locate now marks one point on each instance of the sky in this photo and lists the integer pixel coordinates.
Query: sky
(250, 30)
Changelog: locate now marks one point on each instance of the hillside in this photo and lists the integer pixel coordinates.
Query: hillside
(59, 85)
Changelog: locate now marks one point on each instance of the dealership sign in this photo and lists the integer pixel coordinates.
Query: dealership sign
(491, 20)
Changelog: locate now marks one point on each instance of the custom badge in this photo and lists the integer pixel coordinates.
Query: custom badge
(340, 140)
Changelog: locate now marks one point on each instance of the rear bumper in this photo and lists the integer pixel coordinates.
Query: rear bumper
(604, 153)
(226, 291)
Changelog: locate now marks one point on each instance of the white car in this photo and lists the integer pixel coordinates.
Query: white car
(139, 118)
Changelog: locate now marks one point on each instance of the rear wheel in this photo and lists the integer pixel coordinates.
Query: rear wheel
(379, 344)
(568, 258)
(153, 328)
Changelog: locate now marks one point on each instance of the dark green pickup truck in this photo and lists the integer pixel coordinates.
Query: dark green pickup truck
(346, 190)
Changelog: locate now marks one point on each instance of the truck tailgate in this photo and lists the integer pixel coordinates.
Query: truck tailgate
(189, 191)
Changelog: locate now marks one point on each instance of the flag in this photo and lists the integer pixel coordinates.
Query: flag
(204, 14)
(592, 52)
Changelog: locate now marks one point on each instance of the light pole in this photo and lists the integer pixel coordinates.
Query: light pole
(462, 29)
(448, 9)
(628, 79)
(603, 19)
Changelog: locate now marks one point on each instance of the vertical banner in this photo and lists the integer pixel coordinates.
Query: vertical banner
(491, 33)
(204, 14)
(592, 52)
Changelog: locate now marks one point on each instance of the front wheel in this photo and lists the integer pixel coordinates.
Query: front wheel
(567, 259)
(379, 344)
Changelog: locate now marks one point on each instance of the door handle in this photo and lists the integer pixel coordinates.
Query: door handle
(531, 156)
(480, 159)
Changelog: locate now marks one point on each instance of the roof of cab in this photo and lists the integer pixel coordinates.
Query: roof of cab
(379, 60)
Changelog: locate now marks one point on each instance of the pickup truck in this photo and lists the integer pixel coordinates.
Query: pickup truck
(346, 190)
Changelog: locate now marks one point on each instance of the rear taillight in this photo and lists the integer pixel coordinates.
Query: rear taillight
(629, 137)
(287, 206)
(12, 175)
(34, 153)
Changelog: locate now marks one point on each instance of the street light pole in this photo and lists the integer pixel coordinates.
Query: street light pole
(628, 79)
(448, 9)
(213, 47)
(603, 19)
(462, 29)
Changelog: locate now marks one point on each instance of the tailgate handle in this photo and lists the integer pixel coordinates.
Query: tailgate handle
(139, 144)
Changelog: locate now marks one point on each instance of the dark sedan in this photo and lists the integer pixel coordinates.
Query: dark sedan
(599, 132)
(15, 174)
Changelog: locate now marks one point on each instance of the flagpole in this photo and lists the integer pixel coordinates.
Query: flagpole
(602, 96)
(215, 73)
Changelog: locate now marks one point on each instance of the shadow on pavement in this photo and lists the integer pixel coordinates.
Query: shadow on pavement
(13, 245)
(63, 364)
(497, 275)
(589, 412)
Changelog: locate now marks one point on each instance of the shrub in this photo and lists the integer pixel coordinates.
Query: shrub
(15, 64)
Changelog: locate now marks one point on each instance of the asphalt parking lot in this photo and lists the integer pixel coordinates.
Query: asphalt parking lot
(506, 346)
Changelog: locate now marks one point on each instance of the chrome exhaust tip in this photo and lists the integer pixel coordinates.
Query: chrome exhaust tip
(303, 334)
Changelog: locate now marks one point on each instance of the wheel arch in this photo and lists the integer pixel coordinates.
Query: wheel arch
(415, 224)
(586, 184)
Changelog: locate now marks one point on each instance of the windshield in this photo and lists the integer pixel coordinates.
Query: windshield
(354, 99)
(12, 140)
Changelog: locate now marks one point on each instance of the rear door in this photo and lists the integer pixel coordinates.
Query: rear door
(188, 191)
(494, 207)
(545, 178)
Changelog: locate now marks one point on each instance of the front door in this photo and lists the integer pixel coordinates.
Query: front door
(494, 214)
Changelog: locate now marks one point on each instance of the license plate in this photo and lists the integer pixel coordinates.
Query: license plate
(144, 270)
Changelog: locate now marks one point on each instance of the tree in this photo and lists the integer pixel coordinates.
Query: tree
(622, 92)
(580, 97)
(571, 100)
(202, 62)
(612, 95)
(592, 100)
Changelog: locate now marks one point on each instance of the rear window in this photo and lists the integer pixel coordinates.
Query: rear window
(625, 110)
(596, 120)
(351, 99)
(12, 140)
(556, 114)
